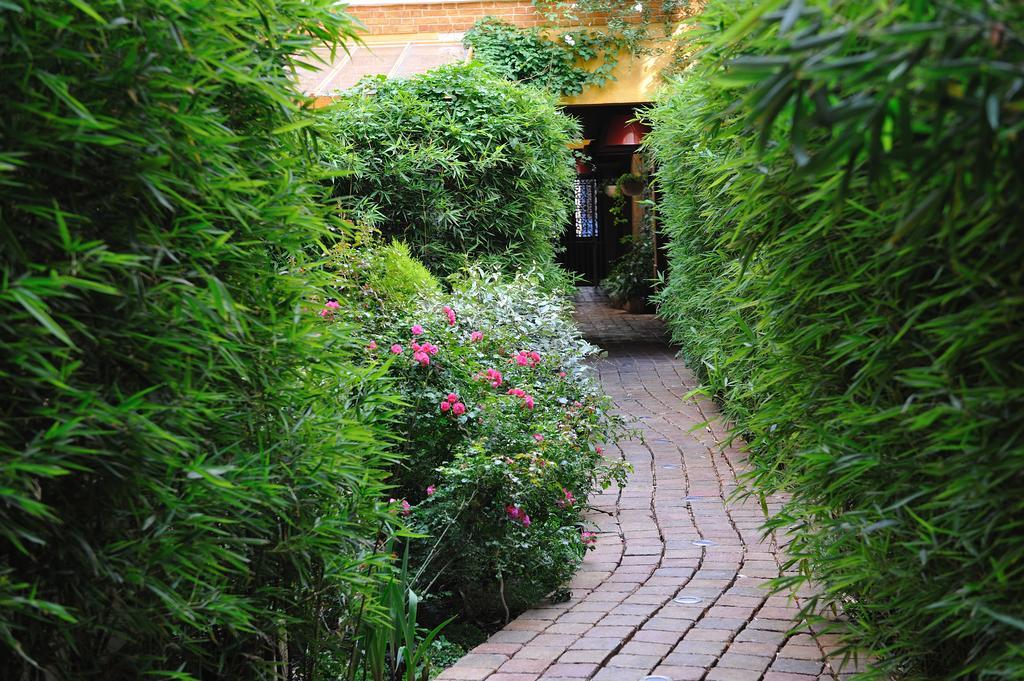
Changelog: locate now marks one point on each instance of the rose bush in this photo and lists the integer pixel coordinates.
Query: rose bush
(501, 435)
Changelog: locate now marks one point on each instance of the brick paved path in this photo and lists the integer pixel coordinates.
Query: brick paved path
(675, 589)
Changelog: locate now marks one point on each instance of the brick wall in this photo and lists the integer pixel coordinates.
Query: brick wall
(449, 17)
(445, 17)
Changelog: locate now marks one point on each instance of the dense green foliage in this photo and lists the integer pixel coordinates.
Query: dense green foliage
(632, 274)
(530, 56)
(475, 446)
(188, 484)
(462, 165)
(842, 185)
(579, 44)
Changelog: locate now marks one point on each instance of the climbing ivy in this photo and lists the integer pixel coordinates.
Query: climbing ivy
(563, 56)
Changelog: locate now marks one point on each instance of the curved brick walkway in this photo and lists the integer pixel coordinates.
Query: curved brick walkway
(676, 587)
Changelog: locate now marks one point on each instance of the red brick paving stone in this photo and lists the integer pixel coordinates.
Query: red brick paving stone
(482, 660)
(708, 635)
(634, 661)
(761, 636)
(571, 670)
(609, 632)
(554, 640)
(680, 673)
(521, 665)
(809, 667)
(733, 660)
(548, 653)
(621, 611)
(690, 660)
(592, 656)
(464, 674)
(567, 628)
(765, 650)
(635, 647)
(596, 643)
(722, 674)
(510, 636)
(527, 624)
(619, 674)
(508, 649)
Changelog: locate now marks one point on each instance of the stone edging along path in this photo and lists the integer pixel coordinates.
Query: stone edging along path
(675, 590)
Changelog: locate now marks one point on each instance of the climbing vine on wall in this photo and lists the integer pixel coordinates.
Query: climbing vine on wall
(564, 55)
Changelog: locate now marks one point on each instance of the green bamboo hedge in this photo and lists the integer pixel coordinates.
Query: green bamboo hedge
(464, 166)
(842, 185)
(188, 458)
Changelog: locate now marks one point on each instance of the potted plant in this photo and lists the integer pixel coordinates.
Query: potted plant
(629, 283)
(631, 184)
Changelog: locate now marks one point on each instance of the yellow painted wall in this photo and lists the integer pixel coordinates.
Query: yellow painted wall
(636, 80)
(636, 77)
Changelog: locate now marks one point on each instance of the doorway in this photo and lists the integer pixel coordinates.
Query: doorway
(592, 240)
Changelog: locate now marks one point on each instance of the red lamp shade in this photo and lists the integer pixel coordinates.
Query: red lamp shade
(581, 167)
(621, 131)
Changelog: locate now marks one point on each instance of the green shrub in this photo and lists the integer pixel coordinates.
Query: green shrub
(842, 186)
(187, 481)
(472, 449)
(632, 274)
(402, 277)
(459, 164)
(375, 279)
(529, 56)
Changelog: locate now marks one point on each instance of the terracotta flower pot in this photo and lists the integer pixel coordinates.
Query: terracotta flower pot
(636, 305)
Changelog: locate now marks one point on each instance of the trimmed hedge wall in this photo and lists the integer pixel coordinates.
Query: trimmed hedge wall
(842, 185)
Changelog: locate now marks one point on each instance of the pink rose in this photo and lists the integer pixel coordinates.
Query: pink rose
(372, 345)
(561, 374)
(475, 336)
(421, 357)
(538, 437)
(528, 401)
(430, 490)
(332, 304)
(396, 348)
(452, 397)
(458, 409)
(567, 499)
(525, 520)
(445, 406)
(416, 330)
(406, 507)
(450, 313)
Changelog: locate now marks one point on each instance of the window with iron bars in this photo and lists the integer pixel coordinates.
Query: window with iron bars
(586, 208)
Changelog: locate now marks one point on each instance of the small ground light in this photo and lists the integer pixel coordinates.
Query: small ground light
(687, 600)
(702, 542)
(657, 678)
